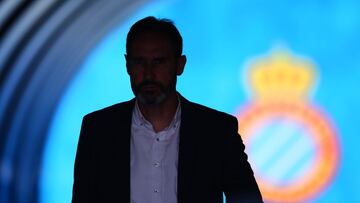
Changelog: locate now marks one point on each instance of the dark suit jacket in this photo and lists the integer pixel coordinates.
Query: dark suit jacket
(211, 157)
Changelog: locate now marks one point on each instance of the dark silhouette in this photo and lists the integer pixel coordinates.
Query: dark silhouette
(208, 159)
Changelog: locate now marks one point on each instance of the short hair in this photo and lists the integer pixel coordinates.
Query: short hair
(152, 24)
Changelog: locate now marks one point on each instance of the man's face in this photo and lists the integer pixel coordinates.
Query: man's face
(153, 67)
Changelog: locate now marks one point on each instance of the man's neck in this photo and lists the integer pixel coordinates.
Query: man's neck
(160, 115)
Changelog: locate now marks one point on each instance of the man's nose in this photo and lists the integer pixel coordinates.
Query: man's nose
(148, 70)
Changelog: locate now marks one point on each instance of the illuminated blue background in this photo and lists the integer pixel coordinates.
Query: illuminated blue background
(220, 37)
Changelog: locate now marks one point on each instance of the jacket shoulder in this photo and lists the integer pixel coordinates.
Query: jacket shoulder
(123, 108)
(210, 114)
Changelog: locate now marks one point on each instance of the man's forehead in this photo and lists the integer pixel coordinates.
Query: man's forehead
(152, 38)
(155, 43)
(151, 35)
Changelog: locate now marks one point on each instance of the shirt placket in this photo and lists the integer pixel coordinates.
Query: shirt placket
(157, 156)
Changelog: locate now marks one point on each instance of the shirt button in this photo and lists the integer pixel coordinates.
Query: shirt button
(158, 139)
(156, 164)
(156, 191)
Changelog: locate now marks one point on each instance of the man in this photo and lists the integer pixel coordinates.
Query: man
(160, 147)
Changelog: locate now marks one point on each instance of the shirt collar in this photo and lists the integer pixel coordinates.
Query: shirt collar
(140, 121)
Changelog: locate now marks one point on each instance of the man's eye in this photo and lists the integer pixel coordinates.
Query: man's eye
(159, 61)
(137, 61)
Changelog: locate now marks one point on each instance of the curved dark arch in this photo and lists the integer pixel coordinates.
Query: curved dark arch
(42, 45)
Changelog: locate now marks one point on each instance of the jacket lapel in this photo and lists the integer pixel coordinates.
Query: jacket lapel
(122, 134)
(187, 151)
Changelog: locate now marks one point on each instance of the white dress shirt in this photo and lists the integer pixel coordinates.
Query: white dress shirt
(154, 160)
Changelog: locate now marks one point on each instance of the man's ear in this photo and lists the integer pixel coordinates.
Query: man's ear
(127, 63)
(181, 65)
